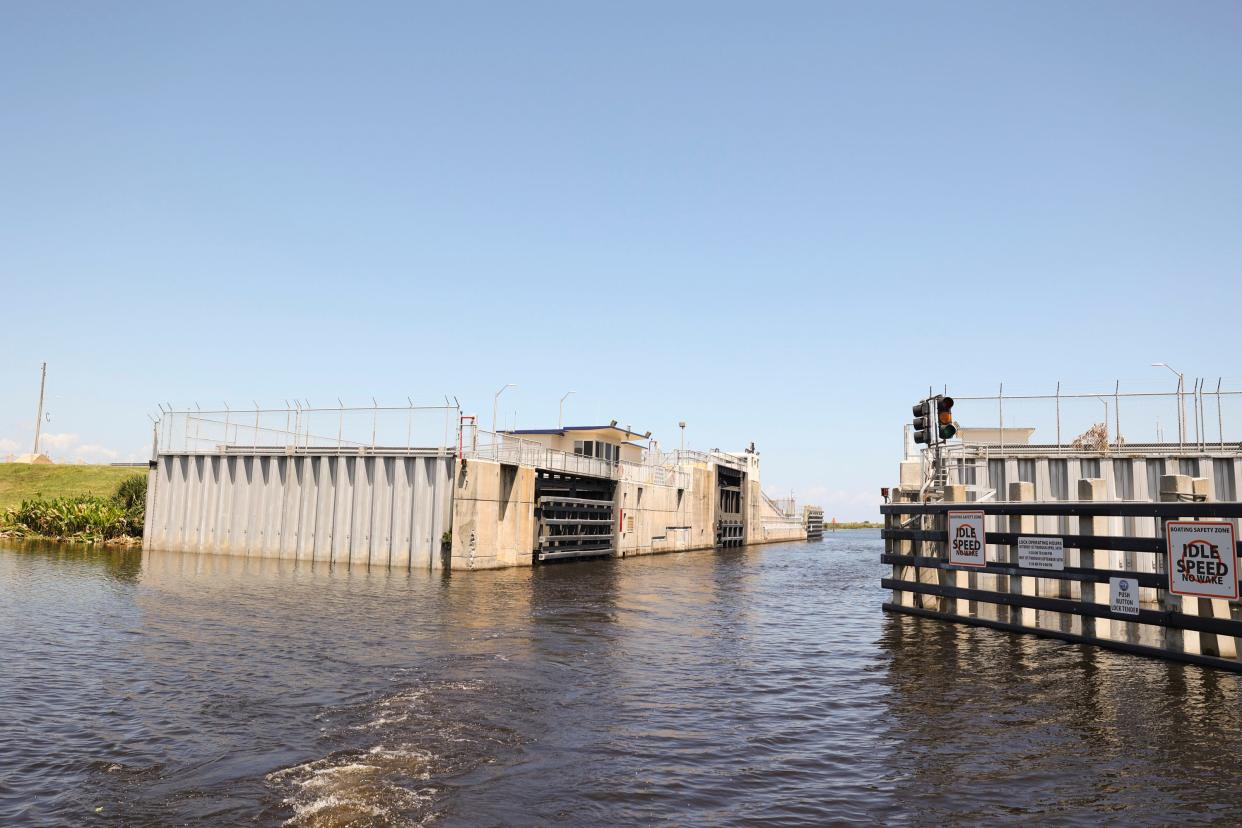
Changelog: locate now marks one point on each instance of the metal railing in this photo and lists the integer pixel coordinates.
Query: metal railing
(784, 506)
(1192, 427)
(507, 448)
(303, 428)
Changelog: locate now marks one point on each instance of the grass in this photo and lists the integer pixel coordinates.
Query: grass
(856, 524)
(19, 481)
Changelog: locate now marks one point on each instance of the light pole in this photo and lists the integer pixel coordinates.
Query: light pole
(560, 416)
(1181, 400)
(496, 403)
(682, 426)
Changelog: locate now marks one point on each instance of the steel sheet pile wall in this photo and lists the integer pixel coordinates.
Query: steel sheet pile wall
(383, 510)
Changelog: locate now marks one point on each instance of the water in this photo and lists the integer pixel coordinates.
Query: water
(748, 687)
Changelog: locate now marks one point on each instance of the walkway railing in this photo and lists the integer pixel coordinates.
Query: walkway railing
(507, 448)
(302, 428)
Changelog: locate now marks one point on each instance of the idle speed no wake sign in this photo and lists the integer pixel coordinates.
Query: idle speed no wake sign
(967, 544)
(1203, 559)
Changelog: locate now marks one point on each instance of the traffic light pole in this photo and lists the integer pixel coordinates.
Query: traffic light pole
(933, 424)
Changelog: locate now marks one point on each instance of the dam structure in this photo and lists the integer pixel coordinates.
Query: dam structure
(425, 487)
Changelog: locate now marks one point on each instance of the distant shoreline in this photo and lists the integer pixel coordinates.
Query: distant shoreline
(853, 524)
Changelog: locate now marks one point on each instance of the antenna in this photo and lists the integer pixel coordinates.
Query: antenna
(39, 416)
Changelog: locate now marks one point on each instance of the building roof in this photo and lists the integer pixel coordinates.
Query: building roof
(621, 433)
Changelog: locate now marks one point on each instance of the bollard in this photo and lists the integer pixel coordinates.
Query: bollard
(1092, 490)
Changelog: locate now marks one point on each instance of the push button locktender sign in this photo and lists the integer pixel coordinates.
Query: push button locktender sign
(1203, 560)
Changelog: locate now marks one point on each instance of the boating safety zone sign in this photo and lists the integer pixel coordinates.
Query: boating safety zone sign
(966, 541)
(1203, 559)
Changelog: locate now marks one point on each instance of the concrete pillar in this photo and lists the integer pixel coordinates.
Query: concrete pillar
(1020, 492)
(1225, 646)
(956, 493)
(1174, 488)
(899, 547)
(1092, 490)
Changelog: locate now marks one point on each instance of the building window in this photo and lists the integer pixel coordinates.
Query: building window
(1222, 477)
(996, 478)
(1058, 479)
(1123, 479)
(1026, 471)
(1155, 468)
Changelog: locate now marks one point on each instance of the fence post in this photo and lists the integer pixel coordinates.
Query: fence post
(1094, 592)
(1174, 488)
(956, 493)
(1022, 492)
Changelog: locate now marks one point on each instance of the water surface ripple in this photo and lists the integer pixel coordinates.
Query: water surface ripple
(761, 686)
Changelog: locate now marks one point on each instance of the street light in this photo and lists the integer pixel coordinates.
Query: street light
(682, 426)
(560, 417)
(1181, 400)
(496, 403)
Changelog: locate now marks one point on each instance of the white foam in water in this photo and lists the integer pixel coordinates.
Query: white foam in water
(357, 787)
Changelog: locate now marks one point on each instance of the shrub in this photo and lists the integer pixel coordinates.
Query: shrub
(81, 518)
(132, 492)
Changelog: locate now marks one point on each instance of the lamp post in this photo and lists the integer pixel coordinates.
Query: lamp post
(682, 426)
(560, 416)
(1181, 400)
(496, 403)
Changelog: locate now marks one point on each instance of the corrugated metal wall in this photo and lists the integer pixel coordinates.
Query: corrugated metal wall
(376, 509)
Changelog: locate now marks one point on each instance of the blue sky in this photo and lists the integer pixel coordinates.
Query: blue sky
(776, 221)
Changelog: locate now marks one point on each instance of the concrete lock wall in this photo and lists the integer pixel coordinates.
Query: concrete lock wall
(394, 510)
(493, 515)
(764, 524)
(376, 510)
(655, 518)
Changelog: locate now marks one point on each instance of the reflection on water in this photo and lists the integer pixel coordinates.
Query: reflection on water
(750, 686)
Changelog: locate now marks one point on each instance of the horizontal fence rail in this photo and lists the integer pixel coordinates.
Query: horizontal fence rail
(1073, 603)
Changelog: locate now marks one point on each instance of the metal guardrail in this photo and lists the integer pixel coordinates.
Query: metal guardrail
(1071, 597)
(301, 428)
(508, 448)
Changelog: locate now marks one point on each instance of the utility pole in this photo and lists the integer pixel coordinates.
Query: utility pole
(39, 417)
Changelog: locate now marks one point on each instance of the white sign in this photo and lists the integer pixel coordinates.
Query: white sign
(966, 542)
(1123, 595)
(1041, 553)
(1203, 560)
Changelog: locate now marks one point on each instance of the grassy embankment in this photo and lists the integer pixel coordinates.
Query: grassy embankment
(86, 504)
(856, 524)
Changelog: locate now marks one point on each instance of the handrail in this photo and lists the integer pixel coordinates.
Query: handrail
(1072, 508)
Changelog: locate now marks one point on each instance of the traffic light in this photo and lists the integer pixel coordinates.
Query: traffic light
(922, 423)
(944, 414)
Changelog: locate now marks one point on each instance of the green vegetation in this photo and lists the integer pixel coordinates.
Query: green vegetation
(20, 481)
(84, 518)
(856, 524)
